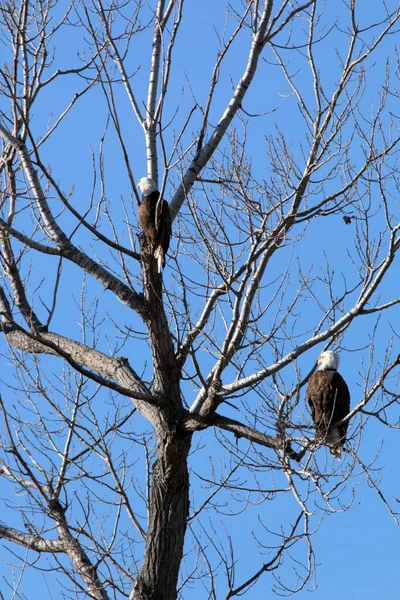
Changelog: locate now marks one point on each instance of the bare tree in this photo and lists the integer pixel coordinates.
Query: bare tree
(216, 352)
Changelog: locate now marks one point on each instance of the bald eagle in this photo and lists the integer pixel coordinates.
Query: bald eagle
(329, 400)
(155, 219)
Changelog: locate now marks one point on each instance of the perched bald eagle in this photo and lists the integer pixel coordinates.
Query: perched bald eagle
(155, 219)
(329, 400)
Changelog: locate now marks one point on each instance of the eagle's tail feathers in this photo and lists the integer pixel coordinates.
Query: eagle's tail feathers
(335, 443)
(159, 255)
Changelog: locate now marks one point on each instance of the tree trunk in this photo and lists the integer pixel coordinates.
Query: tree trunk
(169, 505)
(169, 498)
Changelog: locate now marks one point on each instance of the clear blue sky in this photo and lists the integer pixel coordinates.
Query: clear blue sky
(356, 552)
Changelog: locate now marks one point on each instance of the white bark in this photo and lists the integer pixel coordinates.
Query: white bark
(199, 162)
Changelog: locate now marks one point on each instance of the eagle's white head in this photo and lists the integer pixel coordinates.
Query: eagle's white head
(147, 186)
(328, 360)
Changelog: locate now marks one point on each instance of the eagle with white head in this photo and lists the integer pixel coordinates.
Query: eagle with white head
(329, 400)
(155, 219)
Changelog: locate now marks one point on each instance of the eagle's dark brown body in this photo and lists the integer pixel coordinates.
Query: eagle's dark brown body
(157, 230)
(329, 400)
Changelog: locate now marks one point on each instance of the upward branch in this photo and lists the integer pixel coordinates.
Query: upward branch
(151, 125)
(260, 39)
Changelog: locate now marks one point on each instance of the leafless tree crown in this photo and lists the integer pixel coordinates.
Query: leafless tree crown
(148, 418)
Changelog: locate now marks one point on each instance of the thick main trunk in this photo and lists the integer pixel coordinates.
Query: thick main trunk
(166, 374)
(169, 498)
(169, 504)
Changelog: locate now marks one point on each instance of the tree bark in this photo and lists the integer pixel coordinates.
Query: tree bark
(169, 497)
(169, 505)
